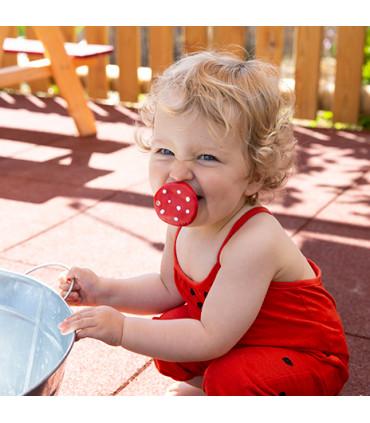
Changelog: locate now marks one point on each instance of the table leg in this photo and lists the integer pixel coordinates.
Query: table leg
(66, 78)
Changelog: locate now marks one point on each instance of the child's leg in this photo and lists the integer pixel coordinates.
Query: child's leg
(191, 372)
(273, 371)
(192, 387)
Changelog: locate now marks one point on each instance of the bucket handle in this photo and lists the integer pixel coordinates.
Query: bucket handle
(41, 266)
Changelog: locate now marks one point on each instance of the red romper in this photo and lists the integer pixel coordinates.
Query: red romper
(296, 345)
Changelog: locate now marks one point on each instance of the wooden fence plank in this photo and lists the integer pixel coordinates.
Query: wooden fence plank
(270, 43)
(128, 60)
(97, 81)
(350, 56)
(307, 71)
(160, 48)
(230, 38)
(69, 33)
(196, 38)
(39, 85)
(4, 31)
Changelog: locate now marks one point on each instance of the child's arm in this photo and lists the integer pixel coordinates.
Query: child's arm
(146, 294)
(248, 264)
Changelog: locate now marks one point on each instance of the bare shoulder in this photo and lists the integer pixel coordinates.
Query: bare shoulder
(263, 238)
(261, 230)
(261, 241)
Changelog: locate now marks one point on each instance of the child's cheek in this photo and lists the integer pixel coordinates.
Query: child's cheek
(158, 174)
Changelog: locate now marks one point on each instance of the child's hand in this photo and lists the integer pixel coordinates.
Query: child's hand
(103, 323)
(86, 288)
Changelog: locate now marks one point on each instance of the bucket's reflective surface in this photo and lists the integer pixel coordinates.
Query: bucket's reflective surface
(31, 346)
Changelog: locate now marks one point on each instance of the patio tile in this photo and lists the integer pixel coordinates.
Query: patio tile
(149, 383)
(114, 238)
(29, 120)
(94, 368)
(358, 382)
(28, 208)
(338, 239)
(326, 166)
(14, 266)
(115, 166)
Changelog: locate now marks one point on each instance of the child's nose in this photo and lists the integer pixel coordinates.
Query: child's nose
(181, 171)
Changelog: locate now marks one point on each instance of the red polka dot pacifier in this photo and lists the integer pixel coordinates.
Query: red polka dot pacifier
(176, 203)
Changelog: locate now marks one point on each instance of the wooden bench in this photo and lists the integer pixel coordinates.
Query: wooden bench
(60, 62)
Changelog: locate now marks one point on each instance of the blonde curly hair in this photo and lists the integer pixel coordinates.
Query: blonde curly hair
(243, 98)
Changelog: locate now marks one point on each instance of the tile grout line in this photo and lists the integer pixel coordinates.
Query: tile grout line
(132, 378)
(357, 336)
(329, 202)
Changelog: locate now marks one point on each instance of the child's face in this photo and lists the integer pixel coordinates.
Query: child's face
(183, 149)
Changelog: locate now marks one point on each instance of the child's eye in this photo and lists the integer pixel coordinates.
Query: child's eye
(208, 157)
(165, 152)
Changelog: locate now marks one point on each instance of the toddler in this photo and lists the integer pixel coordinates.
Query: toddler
(239, 309)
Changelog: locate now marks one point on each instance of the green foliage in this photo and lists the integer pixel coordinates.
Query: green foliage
(21, 31)
(324, 119)
(364, 122)
(366, 65)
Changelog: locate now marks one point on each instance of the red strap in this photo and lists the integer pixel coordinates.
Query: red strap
(239, 223)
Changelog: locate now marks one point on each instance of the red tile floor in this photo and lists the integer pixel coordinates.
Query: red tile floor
(87, 202)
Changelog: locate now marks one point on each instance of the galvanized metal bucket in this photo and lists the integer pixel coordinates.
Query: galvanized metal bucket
(32, 349)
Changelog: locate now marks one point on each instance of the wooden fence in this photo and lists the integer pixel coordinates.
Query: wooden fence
(162, 42)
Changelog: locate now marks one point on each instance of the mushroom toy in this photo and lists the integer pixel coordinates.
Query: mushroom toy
(176, 203)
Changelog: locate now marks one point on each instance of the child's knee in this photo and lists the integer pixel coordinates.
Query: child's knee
(221, 378)
(180, 312)
(173, 370)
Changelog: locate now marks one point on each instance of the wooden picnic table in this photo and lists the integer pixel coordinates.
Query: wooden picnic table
(60, 62)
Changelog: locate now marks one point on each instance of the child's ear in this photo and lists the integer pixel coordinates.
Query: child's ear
(252, 188)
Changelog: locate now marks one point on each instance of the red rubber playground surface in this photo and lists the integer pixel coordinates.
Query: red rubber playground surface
(87, 202)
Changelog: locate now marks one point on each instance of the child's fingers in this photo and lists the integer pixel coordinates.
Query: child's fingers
(75, 280)
(73, 298)
(78, 321)
(65, 285)
(62, 276)
(86, 333)
(65, 279)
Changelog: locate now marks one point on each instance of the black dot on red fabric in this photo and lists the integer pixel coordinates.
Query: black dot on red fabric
(288, 361)
(200, 305)
(192, 292)
(205, 294)
(282, 393)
